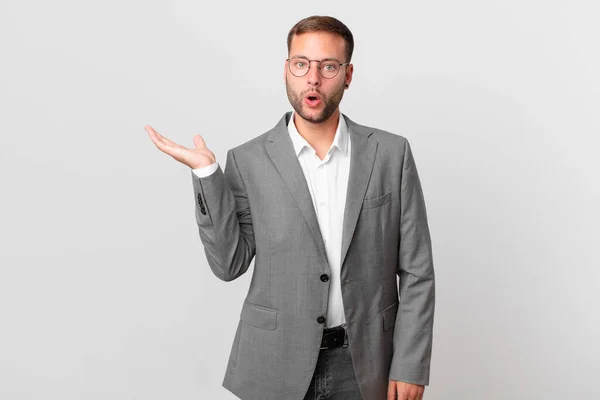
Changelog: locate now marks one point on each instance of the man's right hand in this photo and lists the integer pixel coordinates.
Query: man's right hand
(199, 157)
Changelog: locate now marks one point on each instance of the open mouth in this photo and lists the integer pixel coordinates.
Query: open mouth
(313, 100)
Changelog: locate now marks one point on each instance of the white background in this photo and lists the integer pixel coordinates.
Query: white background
(105, 291)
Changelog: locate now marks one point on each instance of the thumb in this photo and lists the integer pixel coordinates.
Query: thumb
(199, 142)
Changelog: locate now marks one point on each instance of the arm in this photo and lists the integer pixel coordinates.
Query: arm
(224, 221)
(222, 207)
(413, 330)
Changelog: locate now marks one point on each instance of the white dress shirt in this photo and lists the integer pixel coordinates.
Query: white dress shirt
(327, 181)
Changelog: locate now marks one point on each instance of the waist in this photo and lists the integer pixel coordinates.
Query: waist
(334, 336)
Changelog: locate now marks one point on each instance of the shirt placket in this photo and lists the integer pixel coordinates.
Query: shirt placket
(323, 197)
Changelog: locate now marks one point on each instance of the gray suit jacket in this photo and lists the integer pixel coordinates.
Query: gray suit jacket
(260, 207)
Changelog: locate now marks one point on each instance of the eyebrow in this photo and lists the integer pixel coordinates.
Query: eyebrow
(324, 59)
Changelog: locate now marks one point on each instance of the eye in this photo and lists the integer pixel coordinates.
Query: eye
(300, 64)
(329, 67)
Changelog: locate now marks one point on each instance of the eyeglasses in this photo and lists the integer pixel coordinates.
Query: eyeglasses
(328, 68)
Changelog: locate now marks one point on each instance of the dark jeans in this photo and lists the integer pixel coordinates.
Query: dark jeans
(334, 377)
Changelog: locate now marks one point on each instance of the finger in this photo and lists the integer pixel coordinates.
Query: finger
(201, 145)
(199, 142)
(156, 138)
(391, 393)
(420, 393)
(153, 134)
(163, 145)
(414, 395)
(160, 137)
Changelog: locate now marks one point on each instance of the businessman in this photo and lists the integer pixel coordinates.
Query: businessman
(332, 212)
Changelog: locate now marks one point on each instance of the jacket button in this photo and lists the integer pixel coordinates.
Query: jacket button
(324, 278)
(321, 319)
(200, 200)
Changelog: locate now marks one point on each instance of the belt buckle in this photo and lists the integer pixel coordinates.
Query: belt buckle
(338, 332)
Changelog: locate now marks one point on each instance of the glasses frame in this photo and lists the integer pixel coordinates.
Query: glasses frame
(318, 68)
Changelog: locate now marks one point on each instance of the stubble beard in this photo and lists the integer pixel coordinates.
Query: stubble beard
(330, 104)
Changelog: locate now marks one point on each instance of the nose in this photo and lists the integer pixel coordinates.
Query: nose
(313, 75)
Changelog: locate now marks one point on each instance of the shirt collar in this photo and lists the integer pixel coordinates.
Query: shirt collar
(340, 140)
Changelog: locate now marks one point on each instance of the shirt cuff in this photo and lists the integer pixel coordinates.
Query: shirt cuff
(206, 171)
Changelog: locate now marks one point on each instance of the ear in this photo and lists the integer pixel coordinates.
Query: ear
(349, 72)
(285, 68)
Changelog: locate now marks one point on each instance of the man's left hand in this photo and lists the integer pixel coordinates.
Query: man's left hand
(398, 390)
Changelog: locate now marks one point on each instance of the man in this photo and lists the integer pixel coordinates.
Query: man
(333, 212)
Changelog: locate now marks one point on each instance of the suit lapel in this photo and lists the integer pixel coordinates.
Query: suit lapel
(362, 159)
(280, 149)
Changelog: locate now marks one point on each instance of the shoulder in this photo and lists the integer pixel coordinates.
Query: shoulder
(386, 139)
(251, 145)
(254, 148)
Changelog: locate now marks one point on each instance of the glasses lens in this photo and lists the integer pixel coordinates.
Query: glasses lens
(299, 66)
(329, 69)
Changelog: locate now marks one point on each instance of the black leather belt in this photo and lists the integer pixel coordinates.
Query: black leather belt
(334, 337)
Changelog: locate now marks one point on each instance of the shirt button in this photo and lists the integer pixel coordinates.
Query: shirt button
(322, 203)
(324, 278)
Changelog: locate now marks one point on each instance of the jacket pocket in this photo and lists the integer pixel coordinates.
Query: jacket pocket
(389, 316)
(377, 201)
(259, 316)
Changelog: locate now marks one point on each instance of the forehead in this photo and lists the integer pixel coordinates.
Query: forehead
(317, 45)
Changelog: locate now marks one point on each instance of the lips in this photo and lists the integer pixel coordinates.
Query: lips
(313, 96)
(313, 99)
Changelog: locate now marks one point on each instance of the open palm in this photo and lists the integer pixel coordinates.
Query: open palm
(198, 157)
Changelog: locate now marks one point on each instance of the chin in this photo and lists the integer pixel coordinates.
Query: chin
(316, 114)
(315, 118)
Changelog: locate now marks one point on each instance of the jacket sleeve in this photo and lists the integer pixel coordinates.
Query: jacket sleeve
(413, 329)
(224, 221)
